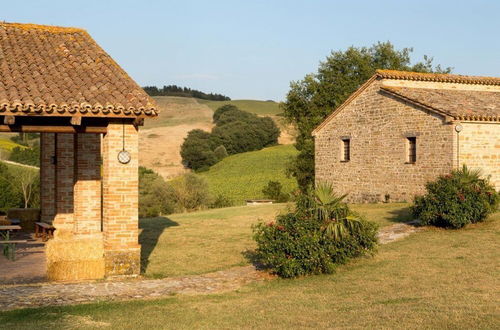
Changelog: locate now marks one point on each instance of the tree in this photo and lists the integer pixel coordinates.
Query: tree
(312, 99)
(27, 181)
(197, 150)
(9, 197)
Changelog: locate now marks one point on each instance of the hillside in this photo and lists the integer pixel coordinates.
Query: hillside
(254, 106)
(161, 138)
(243, 176)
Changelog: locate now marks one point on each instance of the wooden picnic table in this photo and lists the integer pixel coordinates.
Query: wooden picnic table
(9, 246)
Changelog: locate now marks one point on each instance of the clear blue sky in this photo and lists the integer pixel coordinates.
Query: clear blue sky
(253, 49)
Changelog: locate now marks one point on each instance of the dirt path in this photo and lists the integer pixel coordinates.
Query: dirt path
(52, 294)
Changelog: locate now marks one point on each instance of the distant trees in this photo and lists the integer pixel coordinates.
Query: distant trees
(235, 131)
(174, 90)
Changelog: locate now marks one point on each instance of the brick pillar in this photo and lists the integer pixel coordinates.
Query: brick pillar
(47, 177)
(87, 188)
(77, 250)
(120, 202)
(63, 220)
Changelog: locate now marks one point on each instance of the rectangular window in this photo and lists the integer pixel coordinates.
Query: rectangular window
(346, 150)
(412, 150)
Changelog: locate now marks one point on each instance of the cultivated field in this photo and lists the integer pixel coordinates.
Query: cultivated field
(433, 279)
(243, 176)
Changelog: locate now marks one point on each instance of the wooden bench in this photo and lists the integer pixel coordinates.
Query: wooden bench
(9, 248)
(44, 230)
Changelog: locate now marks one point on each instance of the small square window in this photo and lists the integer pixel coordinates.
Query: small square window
(346, 150)
(412, 150)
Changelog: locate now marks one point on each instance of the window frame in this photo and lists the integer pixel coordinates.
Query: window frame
(411, 150)
(345, 149)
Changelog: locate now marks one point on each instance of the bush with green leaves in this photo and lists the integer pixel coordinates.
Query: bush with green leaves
(10, 196)
(156, 197)
(190, 193)
(320, 235)
(273, 190)
(28, 155)
(221, 201)
(220, 152)
(456, 200)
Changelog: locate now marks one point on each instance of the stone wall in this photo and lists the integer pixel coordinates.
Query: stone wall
(378, 125)
(480, 148)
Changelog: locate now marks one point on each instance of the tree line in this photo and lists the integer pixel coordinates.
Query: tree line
(174, 90)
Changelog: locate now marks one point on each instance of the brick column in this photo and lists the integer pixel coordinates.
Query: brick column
(120, 201)
(77, 250)
(47, 177)
(87, 188)
(65, 158)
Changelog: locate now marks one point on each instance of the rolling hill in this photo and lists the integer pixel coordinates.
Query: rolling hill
(161, 138)
(254, 106)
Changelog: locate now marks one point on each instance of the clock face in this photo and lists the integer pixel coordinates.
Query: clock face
(124, 157)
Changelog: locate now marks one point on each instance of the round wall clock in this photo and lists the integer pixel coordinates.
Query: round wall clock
(124, 157)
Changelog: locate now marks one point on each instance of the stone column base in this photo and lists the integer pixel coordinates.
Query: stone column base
(123, 262)
(71, 258)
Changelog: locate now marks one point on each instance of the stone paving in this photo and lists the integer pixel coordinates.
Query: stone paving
(53, 294)
(396, 232)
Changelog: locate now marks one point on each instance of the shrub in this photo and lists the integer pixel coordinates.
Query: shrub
(220, 152)
(28, 156)
(221, 201)
(456, 199)
(321, 234)
(273, 191)
(190, 193)
(9, 195)
(156, 197)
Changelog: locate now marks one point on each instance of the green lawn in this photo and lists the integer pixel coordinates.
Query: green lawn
(201, 242)
(254, 106)
(217, 239)
(243, 176)
(432, 279)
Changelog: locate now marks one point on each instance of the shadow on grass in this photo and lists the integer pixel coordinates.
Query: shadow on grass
(252, 257)
(400, 215)
(152, 229)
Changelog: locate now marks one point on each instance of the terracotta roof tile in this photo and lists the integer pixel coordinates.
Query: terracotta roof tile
(438, 77)
(460, 104)
(60, 69)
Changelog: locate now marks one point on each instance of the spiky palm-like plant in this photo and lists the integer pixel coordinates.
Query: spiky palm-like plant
(328, 207)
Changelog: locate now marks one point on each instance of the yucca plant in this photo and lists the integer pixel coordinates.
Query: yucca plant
(337, 221)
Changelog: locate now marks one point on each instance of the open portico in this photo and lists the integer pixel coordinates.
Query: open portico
(60, 83)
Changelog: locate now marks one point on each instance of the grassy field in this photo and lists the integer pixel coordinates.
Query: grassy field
(211, 240)
(433, 279)
(243, 176)
(202, 242)
(254, 106)
(176, 111)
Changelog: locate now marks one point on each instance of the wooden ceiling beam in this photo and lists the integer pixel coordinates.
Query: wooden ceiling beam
(53, 129)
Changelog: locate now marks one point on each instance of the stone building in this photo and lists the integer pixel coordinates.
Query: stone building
(401, 129)
(58, 82)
